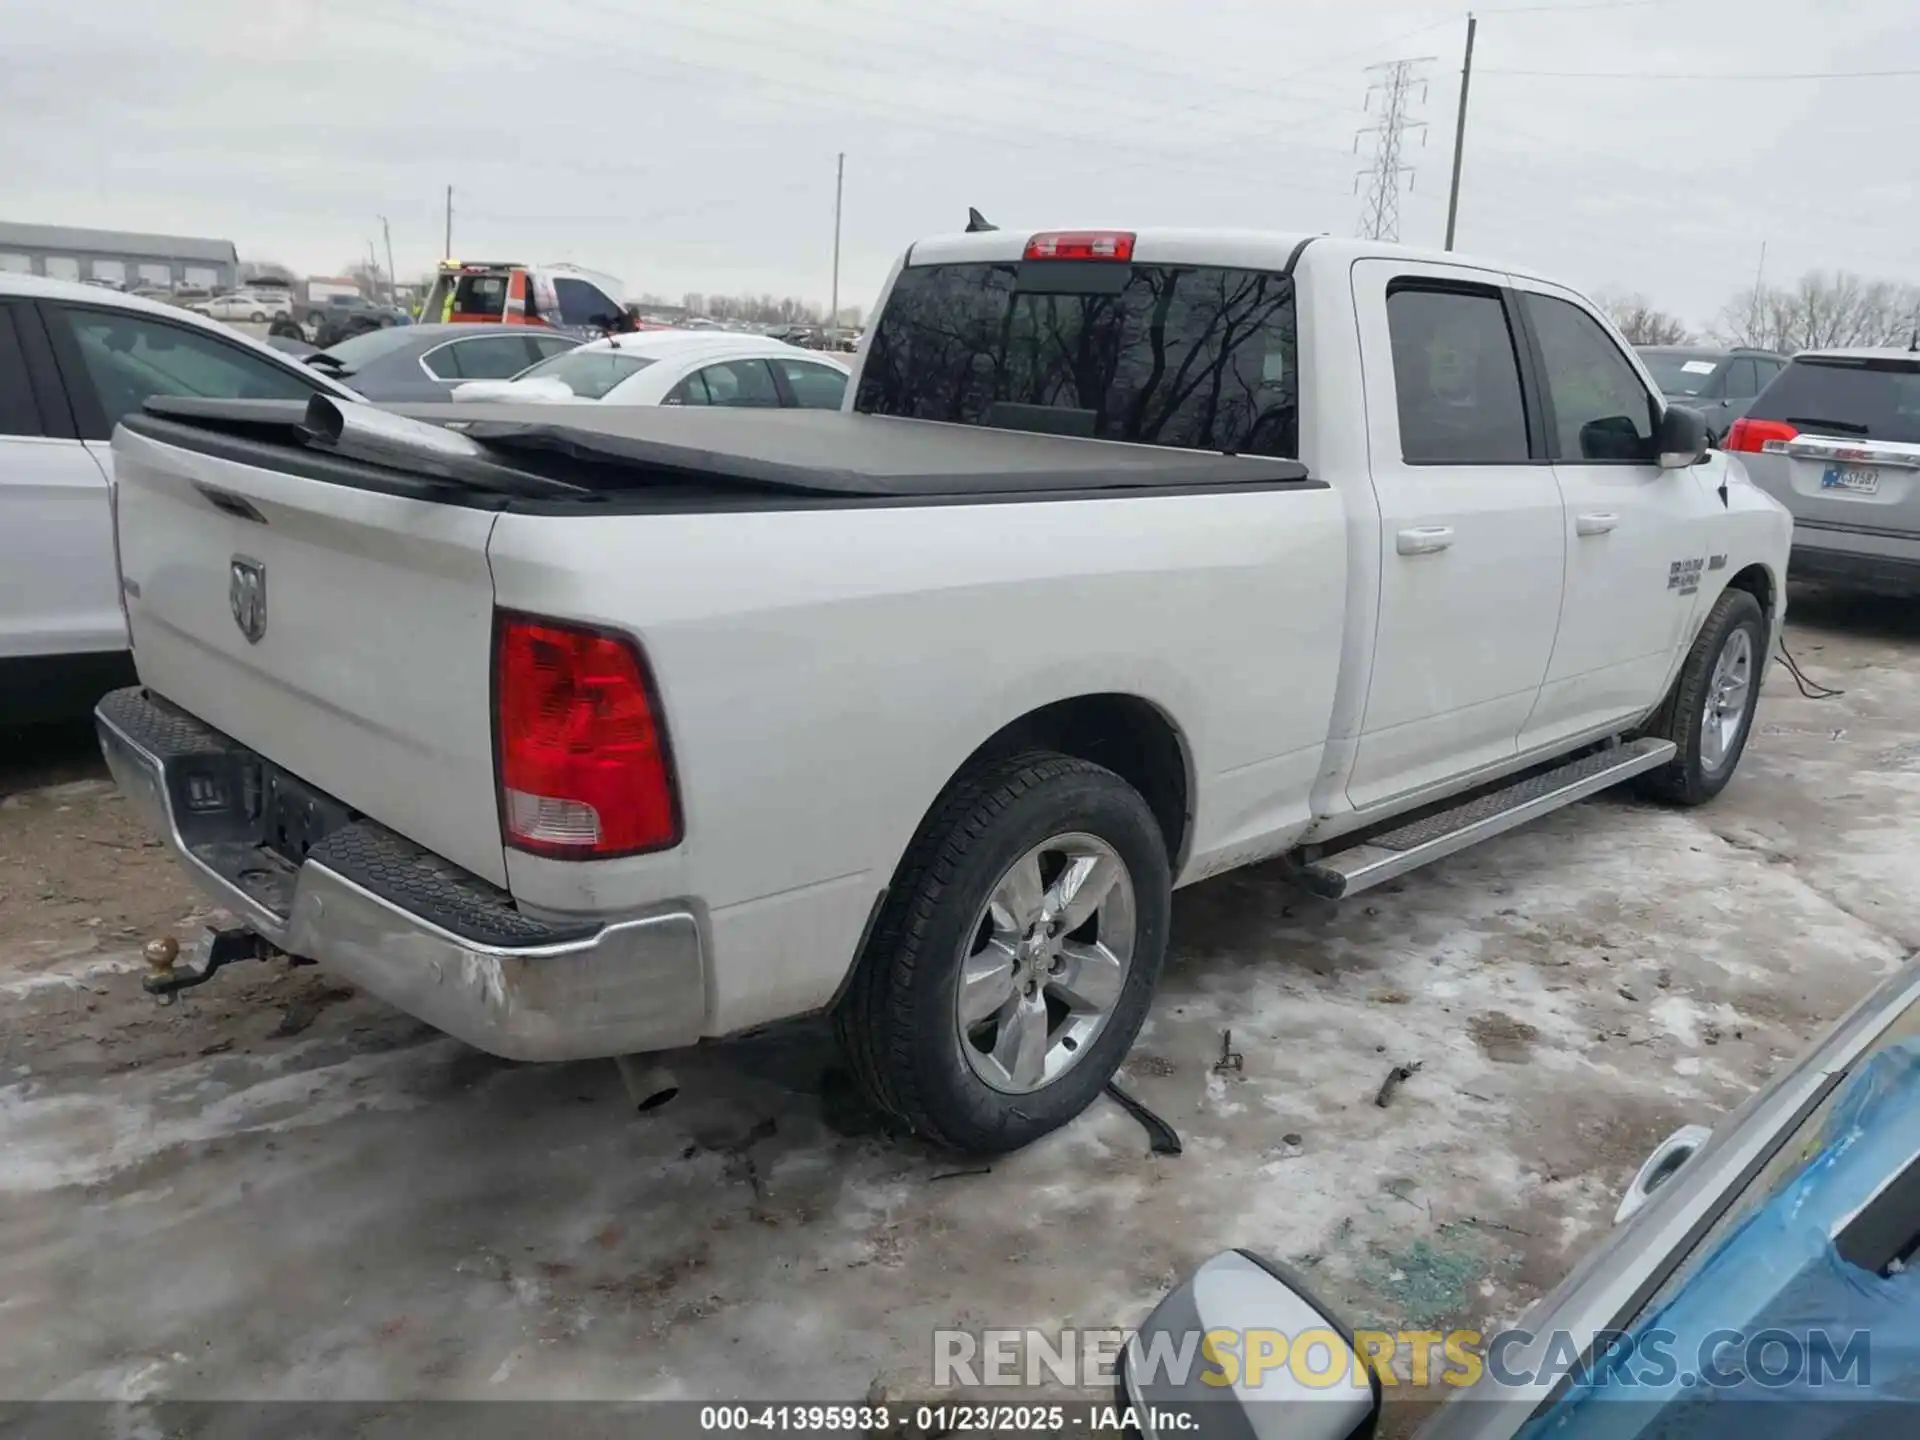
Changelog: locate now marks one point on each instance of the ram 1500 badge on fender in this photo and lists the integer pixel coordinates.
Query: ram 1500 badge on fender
(1135, 557)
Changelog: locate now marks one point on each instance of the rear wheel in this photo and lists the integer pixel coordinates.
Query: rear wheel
(1710, 712)
(1016, 955)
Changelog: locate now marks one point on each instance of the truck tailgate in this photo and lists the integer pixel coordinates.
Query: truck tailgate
(364, 668)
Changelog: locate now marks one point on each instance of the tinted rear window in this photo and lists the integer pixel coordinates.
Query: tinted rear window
(481, 295)
(1193, 357)
(1874, 399)
(365, 349)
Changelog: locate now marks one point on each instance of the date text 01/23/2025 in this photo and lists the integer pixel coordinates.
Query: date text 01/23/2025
(944, 1419)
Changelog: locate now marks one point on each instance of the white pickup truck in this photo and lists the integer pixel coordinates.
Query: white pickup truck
(613, 730)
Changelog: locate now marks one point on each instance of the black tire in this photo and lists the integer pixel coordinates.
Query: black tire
(897, 1019)
(1688, 779)
(258, 317)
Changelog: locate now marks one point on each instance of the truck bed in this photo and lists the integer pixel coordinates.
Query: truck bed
(691, 452)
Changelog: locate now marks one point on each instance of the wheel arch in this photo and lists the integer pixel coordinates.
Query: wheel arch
(1127, 734)
(1130, 736)
(1758, 581)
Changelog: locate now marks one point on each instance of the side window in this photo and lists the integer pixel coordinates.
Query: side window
(492, 357)
(1743, 380)
(581, 303)
(548, 346)
(1456, 378)
(745, 383)
(1599, 409)
(690, 391)
(814, 387)
(19, 415)
(131, 357)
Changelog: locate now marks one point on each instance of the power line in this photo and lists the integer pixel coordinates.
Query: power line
(1396, 82)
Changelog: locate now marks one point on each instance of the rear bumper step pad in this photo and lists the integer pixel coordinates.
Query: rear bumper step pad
(397, 920)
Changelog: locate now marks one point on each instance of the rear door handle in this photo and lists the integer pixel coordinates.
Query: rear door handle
(1598, 523)
(1423, 539)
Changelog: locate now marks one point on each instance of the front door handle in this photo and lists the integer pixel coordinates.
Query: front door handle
(1423, 539)
(1598, 523)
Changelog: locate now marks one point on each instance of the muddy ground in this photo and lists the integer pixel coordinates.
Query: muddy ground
(280, 1189)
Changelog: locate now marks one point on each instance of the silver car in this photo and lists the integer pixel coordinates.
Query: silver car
(1720, 384)
(1836, 439)
(1797, 1217)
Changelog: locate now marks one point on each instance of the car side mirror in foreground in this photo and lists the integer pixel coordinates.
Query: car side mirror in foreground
(1244, 1350)
(1682, 438)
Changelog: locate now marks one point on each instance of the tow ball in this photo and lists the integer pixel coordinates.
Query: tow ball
(214, 947)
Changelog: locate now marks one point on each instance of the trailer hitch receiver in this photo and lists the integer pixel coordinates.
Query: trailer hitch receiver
(215, 946)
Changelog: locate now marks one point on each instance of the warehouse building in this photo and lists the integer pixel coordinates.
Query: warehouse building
(164, 262)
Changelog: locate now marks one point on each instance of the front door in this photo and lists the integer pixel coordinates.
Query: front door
(1470, 549)
(1634, 534)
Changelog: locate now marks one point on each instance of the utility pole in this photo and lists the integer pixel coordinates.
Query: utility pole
(1755, 316)
(447, 254)
(373, 264)
(1396, 82)
(1460, 131)
(839, 185)
(386, 232)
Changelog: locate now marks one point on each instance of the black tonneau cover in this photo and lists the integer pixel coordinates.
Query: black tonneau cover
(605, 448)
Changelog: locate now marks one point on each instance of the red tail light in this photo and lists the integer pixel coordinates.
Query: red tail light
(1753, 435)
(1081, 245)
(582, 754)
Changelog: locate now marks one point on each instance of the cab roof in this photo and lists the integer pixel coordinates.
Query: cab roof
(1248, 249)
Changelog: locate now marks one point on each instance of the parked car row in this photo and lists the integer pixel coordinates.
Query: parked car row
(75, 359)
(1834, 435)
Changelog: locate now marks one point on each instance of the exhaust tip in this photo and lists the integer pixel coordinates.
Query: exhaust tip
(648, 1086)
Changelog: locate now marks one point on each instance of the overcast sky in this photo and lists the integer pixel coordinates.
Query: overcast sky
(690, 146)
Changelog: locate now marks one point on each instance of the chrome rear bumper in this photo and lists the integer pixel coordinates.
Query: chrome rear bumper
(400, 923)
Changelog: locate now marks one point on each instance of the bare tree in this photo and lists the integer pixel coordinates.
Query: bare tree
(1642, 323)
(1820, 310)
(369, 277)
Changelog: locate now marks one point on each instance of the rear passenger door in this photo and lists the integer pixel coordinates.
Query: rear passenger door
(1471, 555)
(1631, 529)
(1742, 384)
(744, 383)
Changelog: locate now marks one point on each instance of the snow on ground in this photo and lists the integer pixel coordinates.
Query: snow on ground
(277, 1188)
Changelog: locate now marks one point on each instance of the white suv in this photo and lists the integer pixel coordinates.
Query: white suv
(74, 359)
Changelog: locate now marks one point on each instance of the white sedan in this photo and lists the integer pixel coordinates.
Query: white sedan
(244, 305)
(677, 367)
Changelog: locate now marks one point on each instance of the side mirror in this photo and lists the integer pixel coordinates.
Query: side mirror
(1681, 439)
(1244, 1348)
(1661, 1166)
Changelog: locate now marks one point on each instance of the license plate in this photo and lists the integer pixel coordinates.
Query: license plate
(1859, 479)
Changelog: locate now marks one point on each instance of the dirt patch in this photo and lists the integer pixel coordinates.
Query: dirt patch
(78, 874)
(1503, 1038)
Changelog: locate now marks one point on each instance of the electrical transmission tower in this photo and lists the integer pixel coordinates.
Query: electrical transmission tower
(1398, 86)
